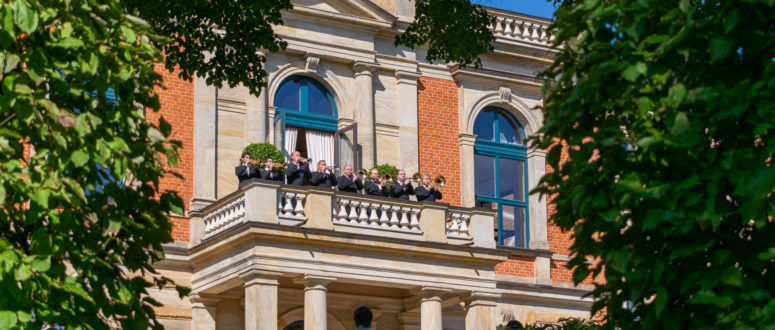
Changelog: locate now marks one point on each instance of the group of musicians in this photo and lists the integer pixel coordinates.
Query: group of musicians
(298, 173)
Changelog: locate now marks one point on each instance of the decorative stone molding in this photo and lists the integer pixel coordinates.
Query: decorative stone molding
(312, 63)
(504, 94)
(360, 68)
(407, 77)
(467, 140)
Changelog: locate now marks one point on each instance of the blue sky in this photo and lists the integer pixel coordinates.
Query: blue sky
(540, 8)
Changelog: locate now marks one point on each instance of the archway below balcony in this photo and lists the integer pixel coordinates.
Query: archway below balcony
(295, 317)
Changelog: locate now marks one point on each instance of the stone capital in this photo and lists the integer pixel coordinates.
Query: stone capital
(407, 77)
(466, 140)
(255, 276)
(203, 300)
(361, 67)
(475, 298)
(535, 152)
(432, 292)
(314, 282)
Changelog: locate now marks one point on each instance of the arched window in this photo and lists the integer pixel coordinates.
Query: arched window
(500, 172)
(306, 120)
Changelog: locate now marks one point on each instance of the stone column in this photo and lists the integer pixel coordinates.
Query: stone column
(430, 308)
(260, 299)
(256, 118)
(480, 310)
(467, 176)
(407, 123)
(364, 113)
(204, 145)
(203, 309)
(315, 311)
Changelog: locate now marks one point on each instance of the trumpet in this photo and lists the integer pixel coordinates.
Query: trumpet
(362, 173)
(417, 176)
(439, 181)
(255, 162)
(278, 166)
(331, 169)
(305, 160)
(387, 177)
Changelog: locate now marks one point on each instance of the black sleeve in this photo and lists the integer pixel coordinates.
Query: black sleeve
(396, 189)
(358, 183)
(422, 194)
(239, 170)
(437, 193)
(410, 189)
(385, 191)
(315, 178)
(342, 182)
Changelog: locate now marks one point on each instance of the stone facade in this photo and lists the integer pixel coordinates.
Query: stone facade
(264, 255)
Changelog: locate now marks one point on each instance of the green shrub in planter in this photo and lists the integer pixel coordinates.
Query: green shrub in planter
(261, 151)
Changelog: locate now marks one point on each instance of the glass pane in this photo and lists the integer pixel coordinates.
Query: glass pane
(484, 175)
(287, 96)
(483, 125)
(508, 132)
(317, 100)
(513, 228)
(511, 178)
(346, 139)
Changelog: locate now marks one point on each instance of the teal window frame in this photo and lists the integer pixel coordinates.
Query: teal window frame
(499, 150)
(303, 117)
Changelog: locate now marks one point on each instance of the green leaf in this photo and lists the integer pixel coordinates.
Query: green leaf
(22, 272)
(41, 197)
(732, 276)
(680, 123)
(41, 265)
(634, 71)
(69, 43)
(79, 158)
(720, 46)
(7, 319)
(676, 95)
(661, 300)
(730, 20)
(24, 317)
(767, 255)
(25, 18)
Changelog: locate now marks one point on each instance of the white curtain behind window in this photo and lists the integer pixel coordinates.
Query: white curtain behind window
(291, 133)
(320, 146)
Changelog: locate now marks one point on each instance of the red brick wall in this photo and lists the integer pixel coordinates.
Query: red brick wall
(517, 266)
(437, 117)
(177, 108)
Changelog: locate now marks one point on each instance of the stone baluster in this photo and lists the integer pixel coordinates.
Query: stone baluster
(464, 224)
(507, 29)
(342, 217)
(394, 216)
(543, 37)
(454, 228)
(280, 206)
(414, 223)
(404, 224)
(299, 209)
(535, 35)
(288, 208)
(526, 30)
(363, 217)
(517, 26)
(354, 211)
(383, 218)
(373, 218)
(499, 25)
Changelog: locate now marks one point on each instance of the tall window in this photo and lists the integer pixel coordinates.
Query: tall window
(501, 173)
(307, 103)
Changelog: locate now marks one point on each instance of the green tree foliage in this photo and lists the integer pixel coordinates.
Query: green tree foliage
(668, 110)
(562, 324)
(453, 31)
(262, 151)
(84, 211)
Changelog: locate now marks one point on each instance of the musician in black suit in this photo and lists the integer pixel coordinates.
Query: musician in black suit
(245, 171)
(324, 177)
(268, 173)
(376, 187)
(403, 186)
(298, 170)
(426, 192)
(348, 181)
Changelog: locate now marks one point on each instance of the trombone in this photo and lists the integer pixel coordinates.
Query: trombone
(387, 177)
(440, 181)
(362, 173)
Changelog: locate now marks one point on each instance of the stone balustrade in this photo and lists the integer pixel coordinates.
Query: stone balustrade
(520, 27)
(312, 207)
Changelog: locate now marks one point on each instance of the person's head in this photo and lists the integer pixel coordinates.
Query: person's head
(245, 157)
(295, 155)
(348, 170)
(321, 165)
(426, 179)
(269, 162)
(362, 316)
(401, 176)
(514, 324)
(374, 174)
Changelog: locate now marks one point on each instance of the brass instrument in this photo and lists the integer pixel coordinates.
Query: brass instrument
(305, 160)
(255, 162)
(387, 177)
(362, 173)
(331, 169)
(439, 181)
(417, 176)
(279, 166)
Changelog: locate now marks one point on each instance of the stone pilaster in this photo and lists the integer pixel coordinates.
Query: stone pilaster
(467, 176)
(204, 145)
(203, 313)
(480, 310)
(364, 113)
(407, 121)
